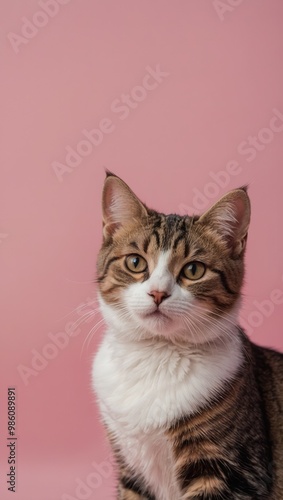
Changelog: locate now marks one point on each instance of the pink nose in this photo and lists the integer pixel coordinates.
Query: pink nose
(158, 297)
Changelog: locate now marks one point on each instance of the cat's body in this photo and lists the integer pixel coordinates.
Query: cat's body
(193, 409)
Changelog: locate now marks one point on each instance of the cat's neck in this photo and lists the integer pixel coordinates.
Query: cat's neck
(179, 378)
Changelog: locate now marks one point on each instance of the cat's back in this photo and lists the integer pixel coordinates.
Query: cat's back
(269, 374)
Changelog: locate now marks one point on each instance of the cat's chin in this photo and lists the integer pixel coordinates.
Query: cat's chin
(155, 319)
(156, 314)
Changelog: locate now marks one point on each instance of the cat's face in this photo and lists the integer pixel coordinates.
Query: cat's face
(173, 276)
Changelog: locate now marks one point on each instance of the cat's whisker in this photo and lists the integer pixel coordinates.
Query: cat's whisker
(199, 322)
(220, 327)
(215, 321)
(85, 317)
(192, 327)
(91, 334)
(229, 318)
(94, 330)
(81, 306)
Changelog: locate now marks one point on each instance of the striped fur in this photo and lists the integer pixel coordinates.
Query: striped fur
(193, 409)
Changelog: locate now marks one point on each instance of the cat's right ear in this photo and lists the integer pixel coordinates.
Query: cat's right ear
(120, 206)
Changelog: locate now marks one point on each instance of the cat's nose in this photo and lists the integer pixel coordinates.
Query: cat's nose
(158, 297)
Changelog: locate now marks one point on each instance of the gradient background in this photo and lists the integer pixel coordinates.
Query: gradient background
(225, 78)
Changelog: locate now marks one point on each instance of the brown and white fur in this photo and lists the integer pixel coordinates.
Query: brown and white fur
(193, 409)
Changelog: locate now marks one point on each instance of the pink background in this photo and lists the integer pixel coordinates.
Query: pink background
(224, 80)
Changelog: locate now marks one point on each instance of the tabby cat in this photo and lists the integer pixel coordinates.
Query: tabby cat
(193, 408)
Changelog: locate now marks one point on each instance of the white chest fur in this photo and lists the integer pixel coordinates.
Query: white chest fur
(142, 387)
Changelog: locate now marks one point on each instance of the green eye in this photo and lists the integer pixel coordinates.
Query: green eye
(194, 270)
(136, 263)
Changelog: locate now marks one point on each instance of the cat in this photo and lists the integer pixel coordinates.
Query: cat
(193, 409)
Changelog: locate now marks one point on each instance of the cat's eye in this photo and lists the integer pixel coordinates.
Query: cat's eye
(194, 270)
(136, 263)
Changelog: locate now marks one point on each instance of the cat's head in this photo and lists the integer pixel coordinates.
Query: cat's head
(173, 276)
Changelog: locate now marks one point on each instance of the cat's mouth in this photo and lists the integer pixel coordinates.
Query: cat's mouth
(157, 314)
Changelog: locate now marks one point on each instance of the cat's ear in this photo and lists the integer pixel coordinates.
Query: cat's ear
(119, 205)
(230, 218)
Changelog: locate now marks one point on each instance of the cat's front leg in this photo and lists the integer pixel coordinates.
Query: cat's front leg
(128, 489)
(126, 494)
(130, 486)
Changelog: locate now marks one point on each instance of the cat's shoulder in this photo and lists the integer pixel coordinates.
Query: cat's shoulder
(261, 353)
(268, 369)
(267, 362)
(268, 357)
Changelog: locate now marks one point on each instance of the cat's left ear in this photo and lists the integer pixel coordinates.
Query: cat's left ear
(230, 218)
(120, 206)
